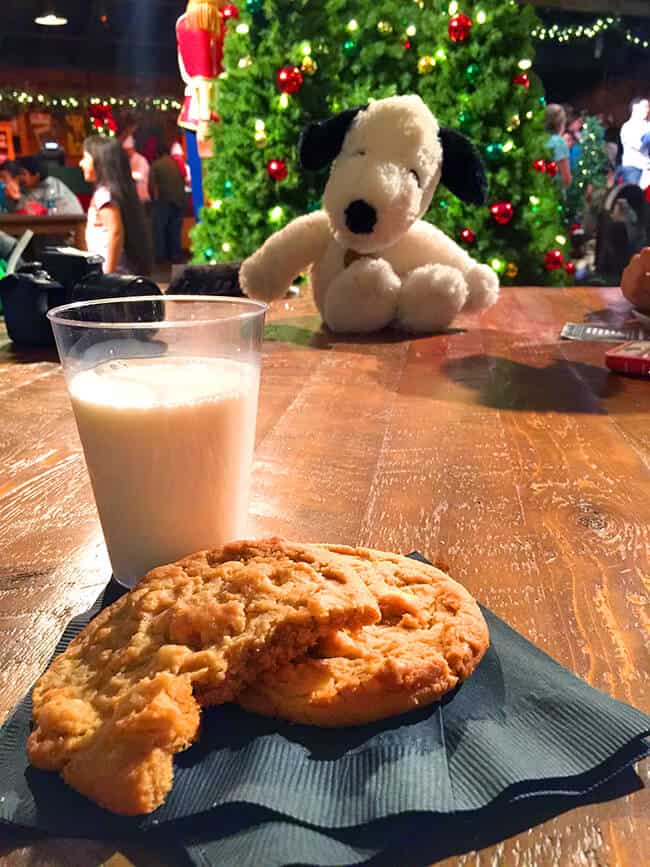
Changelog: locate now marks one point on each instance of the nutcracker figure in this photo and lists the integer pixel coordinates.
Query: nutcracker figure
(199, 34)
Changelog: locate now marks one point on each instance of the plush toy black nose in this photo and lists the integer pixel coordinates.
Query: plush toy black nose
(360, 217)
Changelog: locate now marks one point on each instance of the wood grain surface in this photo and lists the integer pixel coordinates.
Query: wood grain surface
(514, 458)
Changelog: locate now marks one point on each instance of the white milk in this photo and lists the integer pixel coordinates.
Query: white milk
(169, 445)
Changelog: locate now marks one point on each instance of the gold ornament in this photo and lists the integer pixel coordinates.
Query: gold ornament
(426, 64)
(511, 270)
(309, 66)
(384, 27)
(260, 138)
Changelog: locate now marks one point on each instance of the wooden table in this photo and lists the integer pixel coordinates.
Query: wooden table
(514, 458)
(57, 225)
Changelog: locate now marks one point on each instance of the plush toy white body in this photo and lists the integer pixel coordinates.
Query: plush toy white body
(372, 261)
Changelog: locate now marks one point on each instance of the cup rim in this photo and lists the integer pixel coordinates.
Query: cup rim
(56, 315)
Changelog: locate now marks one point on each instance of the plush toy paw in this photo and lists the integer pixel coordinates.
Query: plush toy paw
(363, 298)
(483, 287)
(430, 298)
(258, 279)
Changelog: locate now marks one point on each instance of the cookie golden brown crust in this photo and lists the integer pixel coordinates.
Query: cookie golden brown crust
(432, 636)
(124, 697)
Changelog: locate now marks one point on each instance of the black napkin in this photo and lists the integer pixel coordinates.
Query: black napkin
(521, 726)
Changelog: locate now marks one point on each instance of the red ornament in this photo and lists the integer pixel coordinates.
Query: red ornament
(277, 170)
(407, 44)
(289, 80)
(230, 11)
(539, 165)
(570, 268)
(554, 260)
(502, 212)
(522, 79)
(551, 169)
(467, 236)
(460, 27)
(575, 228)
(646, 194)
(97, 123)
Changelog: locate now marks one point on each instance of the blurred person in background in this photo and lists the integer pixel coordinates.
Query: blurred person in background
(635, 138)
(556, 147)
(140, 169)
(168, 190)
(9, 186)
(29, 190)
(117, 228)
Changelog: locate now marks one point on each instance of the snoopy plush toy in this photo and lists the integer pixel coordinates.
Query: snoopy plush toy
(372, 260)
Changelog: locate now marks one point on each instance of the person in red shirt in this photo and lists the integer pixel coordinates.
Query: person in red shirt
(199, 34)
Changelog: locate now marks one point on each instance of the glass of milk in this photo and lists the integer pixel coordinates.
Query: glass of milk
(164, 390)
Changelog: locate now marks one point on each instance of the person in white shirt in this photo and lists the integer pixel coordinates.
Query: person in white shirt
(139, 169)
(635, 138)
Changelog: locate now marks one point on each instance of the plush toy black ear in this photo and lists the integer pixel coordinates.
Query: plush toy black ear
(463, 172)
(321, 142)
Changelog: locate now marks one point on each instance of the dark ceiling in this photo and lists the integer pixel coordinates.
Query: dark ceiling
(134, 37)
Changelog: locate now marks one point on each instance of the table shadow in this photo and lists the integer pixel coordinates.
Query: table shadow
(561, 386)
(12, 352)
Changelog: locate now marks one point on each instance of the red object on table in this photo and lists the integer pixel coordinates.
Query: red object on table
(632, 358)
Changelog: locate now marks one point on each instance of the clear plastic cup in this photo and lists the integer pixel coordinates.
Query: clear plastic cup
(165, 392)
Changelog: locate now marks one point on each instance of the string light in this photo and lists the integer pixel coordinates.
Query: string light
(481, 17)
(26, 97)
(242, 28)
(563, 35)
(555, 33)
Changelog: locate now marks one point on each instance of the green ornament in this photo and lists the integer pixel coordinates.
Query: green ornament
(349, 47)
(494, 152)
(208, 252)
(227, 188)
(472, 72)
(254, 6)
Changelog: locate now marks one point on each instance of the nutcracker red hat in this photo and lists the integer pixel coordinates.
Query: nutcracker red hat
(206, 14)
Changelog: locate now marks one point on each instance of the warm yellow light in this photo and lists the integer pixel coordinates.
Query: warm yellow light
(411, 30)
(242, 28)
(525, 63)
(481, 17)
(560, 239)
(353, 25)
(51, 20)
(226, 247)
(453, 7)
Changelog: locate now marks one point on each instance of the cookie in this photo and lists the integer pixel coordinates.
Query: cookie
(432, 636)
(125, 695)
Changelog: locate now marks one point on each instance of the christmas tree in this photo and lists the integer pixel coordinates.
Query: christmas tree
(288, 63)
(590, 173)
